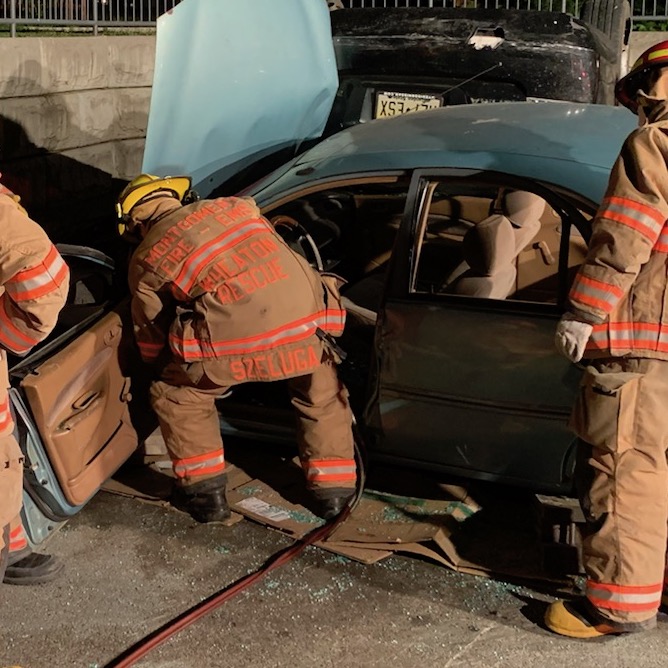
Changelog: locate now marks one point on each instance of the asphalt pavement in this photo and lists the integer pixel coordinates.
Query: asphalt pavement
(132, 566)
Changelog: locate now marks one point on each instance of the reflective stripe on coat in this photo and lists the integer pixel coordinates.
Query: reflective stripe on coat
(213, 281)
(622, 287)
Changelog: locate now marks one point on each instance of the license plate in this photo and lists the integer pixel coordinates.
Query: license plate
(392, 104)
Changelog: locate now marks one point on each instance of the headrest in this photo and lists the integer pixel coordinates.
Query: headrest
(490, 245)
(522, 208)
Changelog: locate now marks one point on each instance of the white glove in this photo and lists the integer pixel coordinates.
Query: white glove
(571, 337)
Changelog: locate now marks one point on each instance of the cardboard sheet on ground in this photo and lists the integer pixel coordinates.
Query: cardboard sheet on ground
(379, 526)
(498, 536)
(451, 530)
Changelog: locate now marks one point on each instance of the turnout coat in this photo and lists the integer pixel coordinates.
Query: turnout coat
(219, 290)
(622, 287)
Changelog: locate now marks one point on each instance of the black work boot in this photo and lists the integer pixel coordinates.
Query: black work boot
(26, 567)
(204, 501)
(330, 501)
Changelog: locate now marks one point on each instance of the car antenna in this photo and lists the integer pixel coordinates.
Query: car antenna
(461, 83)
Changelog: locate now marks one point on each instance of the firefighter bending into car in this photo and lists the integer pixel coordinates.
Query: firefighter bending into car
(219, 299)
(618, 320)
(35, 281)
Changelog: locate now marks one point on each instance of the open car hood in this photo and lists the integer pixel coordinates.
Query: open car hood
(236, 81)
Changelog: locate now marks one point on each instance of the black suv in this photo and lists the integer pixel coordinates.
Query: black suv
(393, 60)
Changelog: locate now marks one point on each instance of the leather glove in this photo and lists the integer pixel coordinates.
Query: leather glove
(571, 337)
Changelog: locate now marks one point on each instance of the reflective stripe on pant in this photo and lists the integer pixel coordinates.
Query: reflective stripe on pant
(622, 475)
(191, 429)
(17, 536)
(324, 428)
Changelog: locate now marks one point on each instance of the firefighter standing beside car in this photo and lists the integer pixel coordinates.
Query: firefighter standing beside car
(34, 282)
(618, 321)
(219, 299)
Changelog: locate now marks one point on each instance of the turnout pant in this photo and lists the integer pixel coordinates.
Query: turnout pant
(621, 417)
(11, 491)
(190, 426)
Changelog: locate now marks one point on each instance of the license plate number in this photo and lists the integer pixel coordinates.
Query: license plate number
(392, 104)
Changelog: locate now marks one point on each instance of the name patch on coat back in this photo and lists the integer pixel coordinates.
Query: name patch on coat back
(275, 365)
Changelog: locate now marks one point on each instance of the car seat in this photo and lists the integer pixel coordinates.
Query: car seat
(489, 250)
(524, 210)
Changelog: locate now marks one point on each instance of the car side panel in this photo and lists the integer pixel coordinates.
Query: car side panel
(79, 401)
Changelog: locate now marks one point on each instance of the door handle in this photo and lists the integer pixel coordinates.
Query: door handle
(84, 401)
(84, 407)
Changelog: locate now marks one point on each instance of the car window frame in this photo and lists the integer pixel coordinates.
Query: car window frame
(403, 266)
(319, 185)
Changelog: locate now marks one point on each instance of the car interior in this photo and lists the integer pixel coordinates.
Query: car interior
(354, 228)
(494, 242)
(474, 240)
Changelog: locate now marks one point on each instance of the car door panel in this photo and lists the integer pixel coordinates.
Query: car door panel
(79, 402)
(467, 383)
(476, 390)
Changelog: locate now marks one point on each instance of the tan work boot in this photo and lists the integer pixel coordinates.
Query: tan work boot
(580, 619)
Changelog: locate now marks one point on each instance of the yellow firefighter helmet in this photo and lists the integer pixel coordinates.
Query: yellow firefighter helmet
(144, 186)
(628, 86)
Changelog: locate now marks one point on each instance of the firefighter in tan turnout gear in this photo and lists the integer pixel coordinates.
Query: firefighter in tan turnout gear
(618, 321)
(34, 281)
(219, 299)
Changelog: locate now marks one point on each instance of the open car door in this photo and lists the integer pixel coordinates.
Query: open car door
(471, 378)
(70, 395)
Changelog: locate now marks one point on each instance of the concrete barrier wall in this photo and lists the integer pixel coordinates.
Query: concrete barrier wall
(641, 41)
(73, 115)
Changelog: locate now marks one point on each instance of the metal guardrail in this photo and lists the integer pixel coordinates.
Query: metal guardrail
(650, 10)
(643, 10)
(93, 15)
(97, 15)
(569, 6)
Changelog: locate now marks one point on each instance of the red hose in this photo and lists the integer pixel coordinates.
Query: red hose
(159, 636)
(141, 648)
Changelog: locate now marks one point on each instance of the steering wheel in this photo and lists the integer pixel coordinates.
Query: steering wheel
(297, 237)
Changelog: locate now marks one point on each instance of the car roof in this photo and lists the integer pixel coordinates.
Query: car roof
(571, 145)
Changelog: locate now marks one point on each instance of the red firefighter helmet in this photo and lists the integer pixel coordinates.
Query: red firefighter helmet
(628, 86)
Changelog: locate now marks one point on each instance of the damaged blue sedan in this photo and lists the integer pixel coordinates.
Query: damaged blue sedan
(457, 230)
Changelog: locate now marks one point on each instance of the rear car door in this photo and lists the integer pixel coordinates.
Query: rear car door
(70, 395)
(474, 384)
